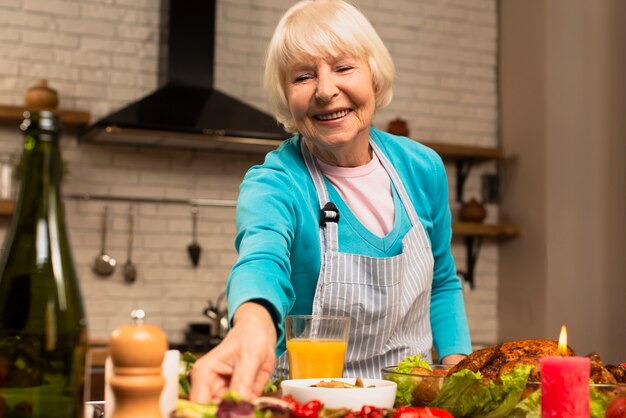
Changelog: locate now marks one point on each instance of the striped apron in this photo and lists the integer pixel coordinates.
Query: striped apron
(387, 299)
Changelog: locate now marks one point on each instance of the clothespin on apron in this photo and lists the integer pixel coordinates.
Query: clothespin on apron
(330, 213)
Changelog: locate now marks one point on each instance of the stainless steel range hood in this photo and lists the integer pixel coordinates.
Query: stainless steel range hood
(187, 112)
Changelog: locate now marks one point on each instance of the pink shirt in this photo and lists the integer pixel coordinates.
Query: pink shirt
(367, 191)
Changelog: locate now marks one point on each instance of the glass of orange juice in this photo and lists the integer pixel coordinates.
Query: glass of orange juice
(316, 345)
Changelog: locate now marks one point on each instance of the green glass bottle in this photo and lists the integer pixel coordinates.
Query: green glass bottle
(43, 330)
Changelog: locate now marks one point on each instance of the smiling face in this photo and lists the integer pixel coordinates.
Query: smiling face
(332, 102)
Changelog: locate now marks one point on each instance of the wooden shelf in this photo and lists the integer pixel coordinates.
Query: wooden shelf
(462, 152)
(473, 234)
(464, 229)
(15, 114)
(464, 157)
(7, 207)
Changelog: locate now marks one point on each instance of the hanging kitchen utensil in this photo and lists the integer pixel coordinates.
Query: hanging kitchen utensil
(104, 264)
(130, 271)
(217, 315)
(194, 248)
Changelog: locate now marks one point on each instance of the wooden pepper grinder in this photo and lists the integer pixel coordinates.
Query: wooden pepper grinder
(137, 352)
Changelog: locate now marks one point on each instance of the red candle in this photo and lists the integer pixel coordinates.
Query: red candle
(565, 387)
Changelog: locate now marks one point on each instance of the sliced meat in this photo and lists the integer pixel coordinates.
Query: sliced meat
(475, 361)
(495, 360)
(618, 372)
(532, 348)
(599, 374)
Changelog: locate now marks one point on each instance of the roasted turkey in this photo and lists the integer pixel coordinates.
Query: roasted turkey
(496, 360)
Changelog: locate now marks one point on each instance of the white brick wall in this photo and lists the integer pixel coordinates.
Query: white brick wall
(100, 54)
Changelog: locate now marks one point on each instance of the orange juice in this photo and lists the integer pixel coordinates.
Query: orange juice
(312, 358)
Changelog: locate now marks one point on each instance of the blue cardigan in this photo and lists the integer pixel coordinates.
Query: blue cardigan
(279, 246)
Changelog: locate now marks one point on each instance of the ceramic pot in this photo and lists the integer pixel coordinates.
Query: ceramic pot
(41, 96)
(472, 211)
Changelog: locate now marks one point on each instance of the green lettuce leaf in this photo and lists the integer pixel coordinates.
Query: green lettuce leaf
(188, 409)
(529, 407)
(461, 393)
(231, 395)
(271, 387)
(409, 363)
(406, 384)
(187, 361)
(598, 402)
(507, 394)
(465, 393)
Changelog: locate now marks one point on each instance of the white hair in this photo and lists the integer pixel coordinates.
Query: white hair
(319, 28)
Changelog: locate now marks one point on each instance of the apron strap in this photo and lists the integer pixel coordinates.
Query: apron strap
(329, 214)
(393, 175)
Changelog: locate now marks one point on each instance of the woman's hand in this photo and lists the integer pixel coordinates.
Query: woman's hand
(453, 359)
(242, 362)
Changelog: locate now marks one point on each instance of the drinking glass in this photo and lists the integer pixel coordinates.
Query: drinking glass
(316, 345)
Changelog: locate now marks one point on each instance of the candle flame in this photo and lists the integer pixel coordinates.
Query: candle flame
(562, 350)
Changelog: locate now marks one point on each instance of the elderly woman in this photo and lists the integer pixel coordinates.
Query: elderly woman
(341, 219)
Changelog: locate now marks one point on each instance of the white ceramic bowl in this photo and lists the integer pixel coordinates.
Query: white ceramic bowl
(382, 395)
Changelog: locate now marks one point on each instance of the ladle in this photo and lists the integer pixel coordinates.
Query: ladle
(194, 248)
(104, 264)
(130, 271)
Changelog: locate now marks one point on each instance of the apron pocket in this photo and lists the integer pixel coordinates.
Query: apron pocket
(359, 270)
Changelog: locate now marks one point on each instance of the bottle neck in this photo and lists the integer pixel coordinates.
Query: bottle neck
(41, 174)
